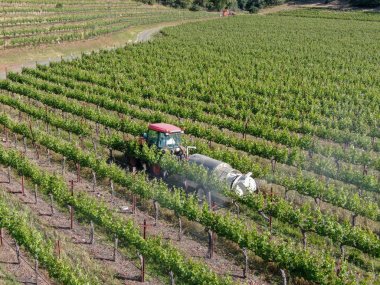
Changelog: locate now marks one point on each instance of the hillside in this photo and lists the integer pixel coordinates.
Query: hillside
(291, 97)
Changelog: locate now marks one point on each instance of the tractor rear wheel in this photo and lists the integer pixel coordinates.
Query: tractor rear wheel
(201, 195)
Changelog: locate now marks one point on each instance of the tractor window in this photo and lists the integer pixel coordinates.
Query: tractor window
(173, 140)
(168, 141)
(152, 137)
(161, 140)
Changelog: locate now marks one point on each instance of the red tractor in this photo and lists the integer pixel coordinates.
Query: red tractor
(167, 138)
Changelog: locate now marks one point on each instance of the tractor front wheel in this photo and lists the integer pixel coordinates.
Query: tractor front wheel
(156, 170)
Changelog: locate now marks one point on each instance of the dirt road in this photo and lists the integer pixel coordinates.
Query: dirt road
(146, 35)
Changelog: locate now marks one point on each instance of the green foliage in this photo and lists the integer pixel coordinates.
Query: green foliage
(264, 149)
(89, 209)
(299, 262)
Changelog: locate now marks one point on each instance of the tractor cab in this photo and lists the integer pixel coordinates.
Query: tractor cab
(164, 137)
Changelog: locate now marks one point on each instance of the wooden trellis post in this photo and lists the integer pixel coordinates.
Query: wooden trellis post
(270, 226)
(156, 210)
(210, 253)
(286, 194)
(180, 232)
(51, 204)
(245, 128)
(63, 165)
(365, 170)
(36, 269)
(35, 193)
(353, 219)
(93, 181)
(237, 208)
(171, 275)
(1, 236)
(270, 216)
(211, 234)
(112, 189)
(22, 186)
(273, 164)
(71, 210)
(24, 143)
(342, 251)
(48, 156)
(209, 199)
(245, 268)
(338, 266)
(94, 145)
(92, 233)
(72, 187)
(78, 172)
(283, 274)
(142, 269)
(37, 152)
(134, 204)
(15, 140)
(145, 225)
(304, 238)
(116, 242)
(81, 142)
(111, 154)
(337, 164)
(18, 253)
(317, 201)
(9, 174)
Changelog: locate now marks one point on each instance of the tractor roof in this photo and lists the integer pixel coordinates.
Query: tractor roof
(164, 128)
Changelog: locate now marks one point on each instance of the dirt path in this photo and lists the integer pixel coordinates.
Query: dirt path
(146, 35)
(296, 5)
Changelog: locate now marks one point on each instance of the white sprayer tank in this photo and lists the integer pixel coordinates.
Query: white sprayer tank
(241, 184)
